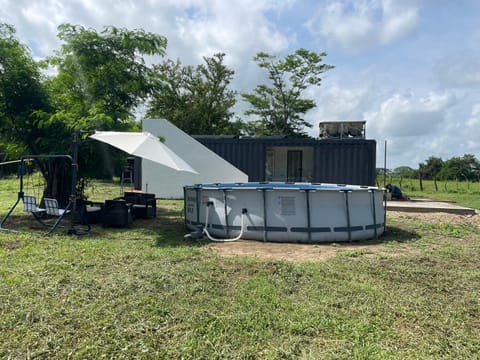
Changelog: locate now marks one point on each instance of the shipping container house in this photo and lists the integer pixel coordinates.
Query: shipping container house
(280, 158)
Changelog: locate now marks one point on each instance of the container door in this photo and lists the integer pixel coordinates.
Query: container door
(294, 165)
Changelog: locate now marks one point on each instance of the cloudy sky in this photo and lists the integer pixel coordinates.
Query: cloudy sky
(411, 68)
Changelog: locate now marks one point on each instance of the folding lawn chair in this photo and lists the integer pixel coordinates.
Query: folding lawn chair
(52, 208)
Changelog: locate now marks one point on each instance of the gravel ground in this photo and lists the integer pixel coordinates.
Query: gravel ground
(438, 217)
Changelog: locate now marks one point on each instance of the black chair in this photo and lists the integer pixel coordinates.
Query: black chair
(144, 205)
(117, 213)
(90, 212)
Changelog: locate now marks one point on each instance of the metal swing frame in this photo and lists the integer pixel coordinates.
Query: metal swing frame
(69, 208)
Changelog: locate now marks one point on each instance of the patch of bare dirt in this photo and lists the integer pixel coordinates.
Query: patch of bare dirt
(12, 244)
(438, 217)
(321, 252)
(285, 251)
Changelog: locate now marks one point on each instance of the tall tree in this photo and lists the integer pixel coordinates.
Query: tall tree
(466, 167)
(25, 109)
(432, 167)
(102, 76)
(421, 174)
(404, 172)
(280, 107)
(196, 99)
(24, 101)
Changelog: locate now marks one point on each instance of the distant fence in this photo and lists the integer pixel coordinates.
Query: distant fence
(428, 186)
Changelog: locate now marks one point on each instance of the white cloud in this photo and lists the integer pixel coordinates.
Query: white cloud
(337, 103)
(469, 132)
(419, 127)
(234, 27)
(214, 23)
(239, 29)
(415, 126)
(399, 19)
(473, 122)
(359, 25)
(460, 70)
(408, 115)
(194, 28)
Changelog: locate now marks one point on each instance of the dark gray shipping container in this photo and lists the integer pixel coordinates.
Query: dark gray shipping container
(345, 161)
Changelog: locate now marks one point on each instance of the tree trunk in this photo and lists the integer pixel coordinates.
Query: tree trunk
(58, 178)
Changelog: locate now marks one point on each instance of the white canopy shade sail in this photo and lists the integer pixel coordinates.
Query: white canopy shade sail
(144, 145)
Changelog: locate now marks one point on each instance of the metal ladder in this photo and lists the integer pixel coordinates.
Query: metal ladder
(127, 177)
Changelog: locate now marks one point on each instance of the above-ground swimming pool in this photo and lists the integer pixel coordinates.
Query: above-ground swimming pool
(285, 212)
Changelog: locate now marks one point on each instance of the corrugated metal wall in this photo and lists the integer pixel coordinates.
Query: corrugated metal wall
(335, 161)
(248, 155)
(345, 161)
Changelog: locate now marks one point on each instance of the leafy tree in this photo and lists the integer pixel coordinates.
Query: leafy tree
(404, 172)
(461, 168)
(196, 99)
(280, 107)
(102, 77)
(24, 101)
(25, 109)
(431, 168)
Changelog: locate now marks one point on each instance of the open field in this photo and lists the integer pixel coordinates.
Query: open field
(145, 293)
(461, 192)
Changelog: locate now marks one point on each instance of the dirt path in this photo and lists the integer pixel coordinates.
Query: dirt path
(286, 251)
(319, 252)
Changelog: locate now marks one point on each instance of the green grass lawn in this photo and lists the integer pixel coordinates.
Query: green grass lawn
(146, 293)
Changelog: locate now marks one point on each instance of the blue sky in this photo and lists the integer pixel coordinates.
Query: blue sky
(410, 68)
